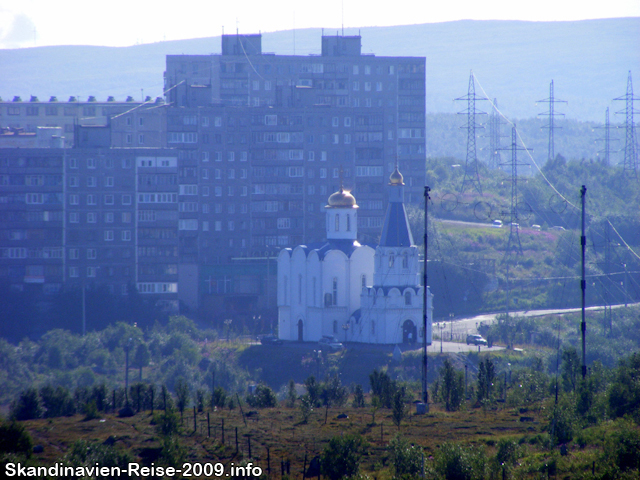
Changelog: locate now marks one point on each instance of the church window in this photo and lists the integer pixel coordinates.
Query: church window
(373, 328)
(348, 223)
(364, 281)
(337, 222)
(335, 326)
(405, 261)
(299, 288)
(286, 287)
(391, 260)
(407, 298)
(334, 295)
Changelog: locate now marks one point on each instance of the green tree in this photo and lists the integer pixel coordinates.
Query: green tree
(486, 377)
(455, 462)
(27, 406)
(219, 398)
(313, 390)
(452, 386)
(358, 397)
(571, 369)
(306, 407)
(383, 388)
(342, 456)
(182, 394)
(407, 459)
(292, 395)
(14, 438)
(141, 358)
(264, 397)
(399, 410)
(624, 393)
(57, 402)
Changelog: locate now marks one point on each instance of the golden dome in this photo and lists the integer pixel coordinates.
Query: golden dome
(396, 178)
(342, 199)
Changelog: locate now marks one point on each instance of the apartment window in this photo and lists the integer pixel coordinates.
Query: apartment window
(231, 156)
(378, 86)
(126, 199)
(141, 121)
(74, 272)
(243, 156)
(108, 199)
(108, 217)
(205, 191)
(347, 121)
(231, 191)
(205, 121)
(126, 217)
(392, 69)
(73, 163)
(218, 191)
(347, 138)
(92, 217)
(91, 272)
(205, 208)
(335, 122)
(126, 163)
(126, 235)
(91, 181)
(244, 191)
(205, 156)
(256, 85)
(74, 217)
(356, 69)
(51, 111)
(323, 156)
(108, 235)
(231, 174)
(267, 85)
(73, 181)
(335, 138)
(218, 174)
(205, 226)
(311, 155)
(205, 174)
(367, 86)
(188, 189)
(74, 253)
(218, 226)
(323, 173)
(92, 254)
(356, 86)
(74, 199)
(231, 225)
(91, 163)
(141, 139)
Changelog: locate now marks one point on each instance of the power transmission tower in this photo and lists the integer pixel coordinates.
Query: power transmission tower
(630, 163)
(514, 225)
(471, 174)
(495, 134)
(551, 114)
(607, 139)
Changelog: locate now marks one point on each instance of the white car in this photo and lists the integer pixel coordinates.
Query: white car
(497, 224)
(330, 342)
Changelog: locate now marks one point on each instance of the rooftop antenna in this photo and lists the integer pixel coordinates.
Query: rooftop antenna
(630, 162)
(471, 161)
(551, 126)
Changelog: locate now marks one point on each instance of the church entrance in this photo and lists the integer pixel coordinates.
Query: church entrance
(300, 329)
(409, 332)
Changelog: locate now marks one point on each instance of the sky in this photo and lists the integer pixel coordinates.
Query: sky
(37, 23)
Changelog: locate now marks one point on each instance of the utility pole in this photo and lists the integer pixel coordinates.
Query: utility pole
(552, 114)
(514, 226)
(425, 296)
(471, 174)
(630, 162)
(583, 287)
(607, 139)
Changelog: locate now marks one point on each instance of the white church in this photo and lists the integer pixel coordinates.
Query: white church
(351, 291)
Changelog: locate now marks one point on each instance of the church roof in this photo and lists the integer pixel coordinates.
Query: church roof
(342, 199)
(396, 231)
(323, 248)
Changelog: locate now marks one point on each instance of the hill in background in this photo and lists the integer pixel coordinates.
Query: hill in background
(514, 62)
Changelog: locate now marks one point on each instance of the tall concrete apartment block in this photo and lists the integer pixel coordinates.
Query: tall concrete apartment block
(89, 217)
(264, 139)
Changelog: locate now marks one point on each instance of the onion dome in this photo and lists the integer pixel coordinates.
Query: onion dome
(342, 199)
(396, 178)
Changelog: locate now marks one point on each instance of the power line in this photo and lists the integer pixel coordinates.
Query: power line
(471, 160)
(552, 114)
(630, 162)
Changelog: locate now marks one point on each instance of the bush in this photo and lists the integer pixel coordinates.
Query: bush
(454, 462)
(219, 398)
(57, 402)
(14, 438)
(341, 458)
(264, 397)
(27, 406)
(407, 459)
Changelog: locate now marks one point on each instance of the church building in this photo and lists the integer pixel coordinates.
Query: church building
(351, 291)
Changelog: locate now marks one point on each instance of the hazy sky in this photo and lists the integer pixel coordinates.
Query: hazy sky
(28, 23)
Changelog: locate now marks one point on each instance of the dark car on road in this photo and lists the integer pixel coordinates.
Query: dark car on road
(476, 340)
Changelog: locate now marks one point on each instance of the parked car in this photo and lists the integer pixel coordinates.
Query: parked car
(270, 340)
(497, 224)
(476, 340)
(330, 342)
(535, 227)
(557, 227)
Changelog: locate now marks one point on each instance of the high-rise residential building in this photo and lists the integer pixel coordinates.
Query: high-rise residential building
(264, 138)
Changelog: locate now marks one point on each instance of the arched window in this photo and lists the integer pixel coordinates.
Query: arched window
(391, 260)
(337, 222)
(334, 295)
(348, 223)
(364, 281)
(405, 260)
(335, 326)
(407, 297)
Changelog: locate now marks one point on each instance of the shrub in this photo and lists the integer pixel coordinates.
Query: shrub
(27, 406)
(14, 438)
(264, 397)
(341, 457)
(57, 401)
(453, 461)
(407, 459)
